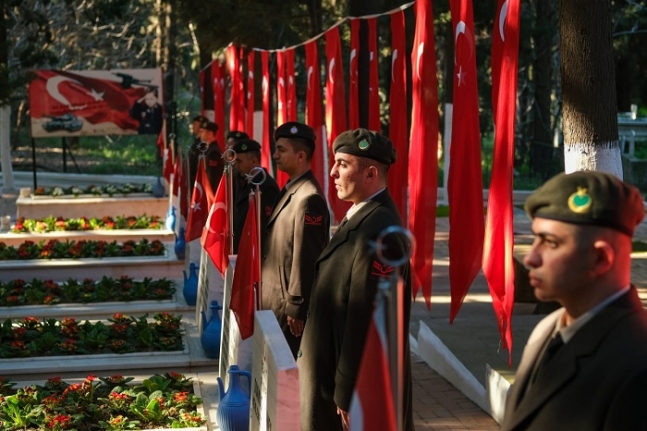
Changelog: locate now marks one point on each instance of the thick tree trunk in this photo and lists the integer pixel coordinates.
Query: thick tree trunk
(5, 148)
(588, 87)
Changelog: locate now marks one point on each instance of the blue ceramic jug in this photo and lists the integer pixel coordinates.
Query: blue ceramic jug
(180, 245)
(170, 219)
(190, 290)
(211, 332)
(158, 188)
(233, 409)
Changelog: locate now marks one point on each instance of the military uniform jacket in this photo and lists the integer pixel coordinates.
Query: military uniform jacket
(348, 272)
(297, 232)
(215, 165)
(269, 193)
(596, 381)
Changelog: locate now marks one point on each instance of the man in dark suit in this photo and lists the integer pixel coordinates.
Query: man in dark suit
(348, 272)
(297, 231)
(194, 152)
(215, 164)
(248, 157)
(585, 365)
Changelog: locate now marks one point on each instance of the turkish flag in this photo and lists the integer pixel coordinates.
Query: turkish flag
(200, 200)
(374, 122)
(202, 77)
(291, 89)
(215, 235)
(281, 93)
(177, 173)
(353, 75)
(250, 93)
(423, 156)
(168, 163)
(237, 104)
(183, 186)
(58, 92)
(465, 182)
(247, 274)
(335, 110)
(314, 113)
(498, 259)
(219, 97)
(399, 126)
(266, 153)
(372, 406)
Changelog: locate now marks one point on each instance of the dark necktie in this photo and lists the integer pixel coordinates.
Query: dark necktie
(553, 347)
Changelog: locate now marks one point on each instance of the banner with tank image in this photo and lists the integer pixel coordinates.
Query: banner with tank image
(89, 103)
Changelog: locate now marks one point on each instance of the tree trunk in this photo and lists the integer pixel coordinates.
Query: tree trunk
(588, 87)
(5, 148)
(541, 147)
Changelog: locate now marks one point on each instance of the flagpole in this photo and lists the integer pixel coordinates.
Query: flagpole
(257, 192)
(230, 157)
(393, 291)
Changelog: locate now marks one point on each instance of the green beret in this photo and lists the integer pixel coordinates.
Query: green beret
(237, 134)
(293, 129)
(209, 125)
(246, 145)
(365, 143)
(587, 197)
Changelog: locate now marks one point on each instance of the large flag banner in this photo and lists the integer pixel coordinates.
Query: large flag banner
(247, 274)
(423, 156)
(374, 122)
(218, 74)
(291, 88)
(335, 110)
(90, 103)
(399, 126)
(353, 75)
(314, 113)
(200, 200)
(250, 93)
(498, 260)
(215, 236)
(372, 406)
(266, 154)
(281, 93)
(237, 104)
(465, 183)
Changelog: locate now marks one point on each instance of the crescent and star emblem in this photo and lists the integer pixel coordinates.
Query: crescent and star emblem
(394, 57)
(310, 70)
(421, 50)
(195, 206)
(503, 16)
(331, 67)
(52, 88)
(264, 85)
(216, 206)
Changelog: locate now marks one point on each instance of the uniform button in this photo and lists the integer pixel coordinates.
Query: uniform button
(299, 354)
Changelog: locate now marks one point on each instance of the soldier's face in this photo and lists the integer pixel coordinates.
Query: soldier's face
(286, 157)
(560, 261)
(150, 99)
(349, 177)
(244, 163)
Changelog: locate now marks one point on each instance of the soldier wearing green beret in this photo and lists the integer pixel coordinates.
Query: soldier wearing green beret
(584, 366)
(348, 272)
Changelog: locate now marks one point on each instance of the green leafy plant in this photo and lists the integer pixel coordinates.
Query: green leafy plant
(100, 403)
(60, 224)
(54, 249)
(120, 334)
(48, 292)
(108, 189)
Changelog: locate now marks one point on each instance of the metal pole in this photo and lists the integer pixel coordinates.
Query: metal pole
(230, 157)
(393, 288)
(257, 192)
(33, 161)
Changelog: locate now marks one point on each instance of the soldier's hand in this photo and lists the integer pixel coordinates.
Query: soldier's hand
(296, 326)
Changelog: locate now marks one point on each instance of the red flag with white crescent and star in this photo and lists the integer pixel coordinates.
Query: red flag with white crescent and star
(399, 126)
(281, 94)
(465, 182)
(353, 75)
(200, 201)
(247, 274)
(290, 87)
(219, 99)
(314, 112)
(237, 104)
(266, 154)
(215, 235)
(335, 111)
(374, 122)
(250, 95)
(423, 155)
(498, 259)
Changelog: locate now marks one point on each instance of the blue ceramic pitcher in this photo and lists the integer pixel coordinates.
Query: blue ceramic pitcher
(233, 409)
(180, 245)
(211, 330)
(190, 290)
